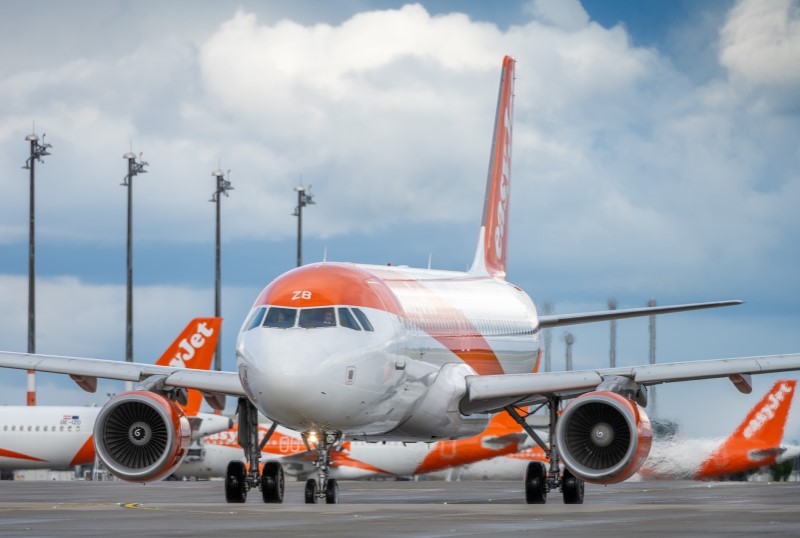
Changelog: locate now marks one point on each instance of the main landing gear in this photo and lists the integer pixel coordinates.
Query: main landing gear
(322, 487)
(539, 479)
(238, 480)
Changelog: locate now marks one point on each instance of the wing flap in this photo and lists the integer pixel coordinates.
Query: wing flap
(207, 381)
(493, 392)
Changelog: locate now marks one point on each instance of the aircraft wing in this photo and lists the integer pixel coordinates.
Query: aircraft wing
(493, 392)
(558, 320)
(79, 369)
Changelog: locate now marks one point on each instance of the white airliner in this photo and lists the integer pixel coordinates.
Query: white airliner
(53, 437)
(364, 352)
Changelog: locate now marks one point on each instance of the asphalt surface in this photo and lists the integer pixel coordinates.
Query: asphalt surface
(399, 509)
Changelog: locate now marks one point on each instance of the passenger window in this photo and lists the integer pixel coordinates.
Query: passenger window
(362, 317)
(347, 319)
(256, 318)
(280, 318)
(317, 317)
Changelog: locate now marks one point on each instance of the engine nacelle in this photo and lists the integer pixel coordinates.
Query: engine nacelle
(603, 437)
(141, 436)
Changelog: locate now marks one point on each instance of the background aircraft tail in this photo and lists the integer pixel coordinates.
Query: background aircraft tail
(760, 434)
(194, 348)
(490, 256)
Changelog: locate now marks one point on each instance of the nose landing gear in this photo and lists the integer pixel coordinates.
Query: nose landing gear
(323, 487)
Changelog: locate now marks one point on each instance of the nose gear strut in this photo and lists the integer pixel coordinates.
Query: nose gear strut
(238, 480)
(323, 487)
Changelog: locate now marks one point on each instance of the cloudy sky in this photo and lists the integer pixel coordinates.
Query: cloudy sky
(656, 155)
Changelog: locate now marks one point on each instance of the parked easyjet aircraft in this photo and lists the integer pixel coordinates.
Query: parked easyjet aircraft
(756, 442)
(358, 459)
(363, 352)
(47, 437)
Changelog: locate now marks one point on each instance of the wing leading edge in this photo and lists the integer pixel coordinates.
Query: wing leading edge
(558, 320)
(494, 392)
(203, 380)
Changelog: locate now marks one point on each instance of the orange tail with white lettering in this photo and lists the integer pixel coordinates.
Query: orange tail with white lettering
(194, 348)
(491, 254)
(757, 440)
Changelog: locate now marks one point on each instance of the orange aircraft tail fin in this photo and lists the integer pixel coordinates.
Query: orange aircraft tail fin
(501, 424)
(490, 256)
(760, 433)
(194, 348)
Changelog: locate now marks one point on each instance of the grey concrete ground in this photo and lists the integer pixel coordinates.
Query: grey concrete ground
(399, 509)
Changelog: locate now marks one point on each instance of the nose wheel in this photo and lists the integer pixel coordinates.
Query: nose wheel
(323, 487)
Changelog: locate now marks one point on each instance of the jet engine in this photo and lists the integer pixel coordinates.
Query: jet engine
(141, 436)
(603, 437)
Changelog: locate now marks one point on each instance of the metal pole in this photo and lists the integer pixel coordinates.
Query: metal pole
(304, 198)
(222, 187)
(31, 399)
(612, 351)
(569, 339)
(547, 308)
(299, 226)
(652, 303)
(129, 270)
(37, 152)
(134, 168)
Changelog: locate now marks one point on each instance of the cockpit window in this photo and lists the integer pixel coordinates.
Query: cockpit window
(255, 318)
(362, 317)
(347, 319)
(280, 318)
(317, 317)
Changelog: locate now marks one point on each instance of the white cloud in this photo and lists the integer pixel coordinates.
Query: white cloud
(565, 14)
(760, 43)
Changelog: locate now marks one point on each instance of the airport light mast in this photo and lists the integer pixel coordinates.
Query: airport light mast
(37, 152)
(612, 349)
(569, 339)
(223, 186)
(547, 309)
(134, 168)
(652, 388)
(304, 198)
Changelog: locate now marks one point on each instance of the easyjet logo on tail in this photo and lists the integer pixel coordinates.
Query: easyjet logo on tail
(195, 345)
(767, 411)
(502, 203)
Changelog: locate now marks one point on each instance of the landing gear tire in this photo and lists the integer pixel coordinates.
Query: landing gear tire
(572, 488)
(236, 482)
(536, 483)
(332, 491)
(311, 491)
(272, 482)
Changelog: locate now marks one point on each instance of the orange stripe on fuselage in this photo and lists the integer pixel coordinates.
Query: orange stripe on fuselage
(17, 455)
(457, 332)
(86, 453)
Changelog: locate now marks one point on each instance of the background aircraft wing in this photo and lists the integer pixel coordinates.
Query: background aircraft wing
(558, 320)
(80, 369)
(493, 392)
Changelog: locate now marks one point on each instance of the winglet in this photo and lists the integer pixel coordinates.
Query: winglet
(491, 253)
(761, 430)
(194, 348)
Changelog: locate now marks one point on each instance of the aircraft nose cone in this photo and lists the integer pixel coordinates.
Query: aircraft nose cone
(291, 377)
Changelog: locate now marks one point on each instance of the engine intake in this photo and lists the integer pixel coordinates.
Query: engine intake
(603, 437)
(141, 436)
